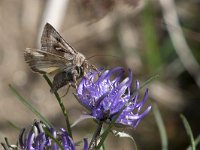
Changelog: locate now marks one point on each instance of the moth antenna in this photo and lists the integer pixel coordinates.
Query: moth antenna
(101, 56)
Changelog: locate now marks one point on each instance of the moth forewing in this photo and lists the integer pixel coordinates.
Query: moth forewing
(52, 41)
(43, 62)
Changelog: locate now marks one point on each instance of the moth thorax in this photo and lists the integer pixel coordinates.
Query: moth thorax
(79, 59)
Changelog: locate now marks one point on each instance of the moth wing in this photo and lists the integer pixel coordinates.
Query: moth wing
(52, 42)
(44, 62)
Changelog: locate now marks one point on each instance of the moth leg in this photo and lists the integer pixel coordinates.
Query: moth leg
(75, 75)
(67, 90)
(95, 68)
(85, 75)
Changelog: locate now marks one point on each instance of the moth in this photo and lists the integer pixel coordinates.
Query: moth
(57, 57)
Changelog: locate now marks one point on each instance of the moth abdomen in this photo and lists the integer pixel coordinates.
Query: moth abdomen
(61, 79)
(67, 76)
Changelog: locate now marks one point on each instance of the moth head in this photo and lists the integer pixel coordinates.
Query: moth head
(79, 60)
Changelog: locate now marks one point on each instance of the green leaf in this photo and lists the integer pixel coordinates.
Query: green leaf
(81, 118)
(30, 106)
(161, 127)
(152, 52)
(124, 135)
(188, 131)
(197, 141)
(149, 80)
(14, 125)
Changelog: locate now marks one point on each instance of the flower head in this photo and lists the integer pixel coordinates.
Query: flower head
(36, 138)
(106, 95)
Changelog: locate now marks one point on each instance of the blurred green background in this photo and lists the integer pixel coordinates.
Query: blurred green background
(153, 38)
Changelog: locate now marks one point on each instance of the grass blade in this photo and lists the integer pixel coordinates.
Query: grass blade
(149, 80)
(151, 46)
(14, 125)
(197, 141)
(29, 106)
(161, 127)
(188, 131)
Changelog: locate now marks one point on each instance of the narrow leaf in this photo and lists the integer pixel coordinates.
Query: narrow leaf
(161, 127)
(188, 131)
(149, 80)
(81, 118)
(14, 125)
(30, 106)
(197, 141)
(124, 135)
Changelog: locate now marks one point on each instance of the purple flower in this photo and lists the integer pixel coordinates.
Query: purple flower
(105, 96)
(35, 138)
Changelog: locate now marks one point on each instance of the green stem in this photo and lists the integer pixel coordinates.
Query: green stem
(61, 106)
(95, 137)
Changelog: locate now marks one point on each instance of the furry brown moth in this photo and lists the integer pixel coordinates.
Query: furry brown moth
(57, 57)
